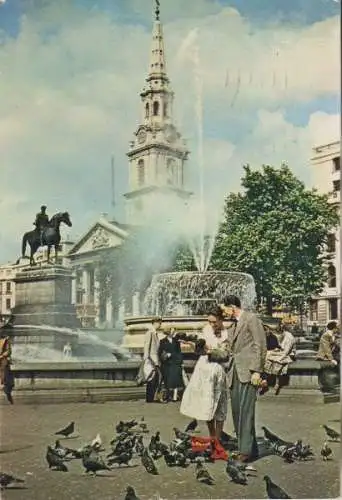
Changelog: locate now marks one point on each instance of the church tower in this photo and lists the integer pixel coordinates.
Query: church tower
(157, 153)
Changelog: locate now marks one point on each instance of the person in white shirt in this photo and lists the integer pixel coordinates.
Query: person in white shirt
(278, 360)
(206, 396)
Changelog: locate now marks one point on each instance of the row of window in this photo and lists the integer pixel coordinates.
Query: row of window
(156, 109)
(171, 172)
(337, 163)
(333, 309)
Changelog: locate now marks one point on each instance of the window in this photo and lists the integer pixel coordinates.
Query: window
(155, 108)
(91, 285)
(170, 171)
(313, 310)
(147, 110)
(337, 185)
(331, 243)
(165, 110)
(337, 163)
(331, 276)
(8, 304)
(8, 287)
(141, 173)
(332, 308)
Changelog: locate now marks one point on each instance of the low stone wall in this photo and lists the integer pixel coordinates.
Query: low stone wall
(102, 381)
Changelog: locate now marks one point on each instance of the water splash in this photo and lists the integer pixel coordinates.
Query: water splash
(34, 351)
(195, 293)
(202, 244)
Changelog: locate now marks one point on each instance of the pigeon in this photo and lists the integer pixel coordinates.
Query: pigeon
(130, 494)
(142, 424)
(326, 451)
(54, 460)
(93, 462)
(139, 445)
(96, 443)
(288, 454)
(7, 479)
(191, 426)
(148, 463)
(181, 435)
(123, 458)
(334, 435)
(235, 472)
(273, 490)
(274, 438)
(302, 452)
(202, 474)
(67, 431)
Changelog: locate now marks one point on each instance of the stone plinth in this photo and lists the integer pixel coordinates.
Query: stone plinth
(43, 297)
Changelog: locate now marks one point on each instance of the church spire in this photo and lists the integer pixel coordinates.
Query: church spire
(157, 67)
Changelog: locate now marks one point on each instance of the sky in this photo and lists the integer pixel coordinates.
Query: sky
(70, 76)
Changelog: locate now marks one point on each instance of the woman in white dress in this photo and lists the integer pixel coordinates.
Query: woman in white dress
(206, 395)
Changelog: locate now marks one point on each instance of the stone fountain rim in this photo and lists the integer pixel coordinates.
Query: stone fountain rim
(175, 273)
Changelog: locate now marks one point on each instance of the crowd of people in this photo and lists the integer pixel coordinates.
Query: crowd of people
(234, 362)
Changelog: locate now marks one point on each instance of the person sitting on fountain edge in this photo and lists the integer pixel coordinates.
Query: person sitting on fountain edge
(42, 220)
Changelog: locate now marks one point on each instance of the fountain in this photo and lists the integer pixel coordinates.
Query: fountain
(183, 299)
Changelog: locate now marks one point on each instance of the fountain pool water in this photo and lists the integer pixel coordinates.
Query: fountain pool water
(33, 343)
(183, 299)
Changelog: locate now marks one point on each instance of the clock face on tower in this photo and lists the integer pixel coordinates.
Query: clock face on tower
(142, 136)
(170, 134)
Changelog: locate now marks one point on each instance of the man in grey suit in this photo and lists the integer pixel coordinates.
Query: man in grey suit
(247, 346)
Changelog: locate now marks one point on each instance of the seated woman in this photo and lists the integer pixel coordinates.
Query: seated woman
(206, 395)
(280, 353)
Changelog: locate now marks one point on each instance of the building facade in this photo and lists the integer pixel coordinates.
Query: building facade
(326, 170)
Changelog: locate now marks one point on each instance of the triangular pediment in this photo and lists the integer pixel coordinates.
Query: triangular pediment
(101, 235)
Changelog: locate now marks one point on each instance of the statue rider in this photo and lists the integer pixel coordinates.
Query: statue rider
(42, 220)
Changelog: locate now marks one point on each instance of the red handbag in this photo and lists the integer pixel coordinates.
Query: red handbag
(200, 444)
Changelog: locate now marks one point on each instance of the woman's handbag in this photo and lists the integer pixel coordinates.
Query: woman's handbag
(146, 370)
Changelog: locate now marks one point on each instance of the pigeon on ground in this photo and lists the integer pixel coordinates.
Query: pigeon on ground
(334, 435)
(270, 436)
(67, 431)
(142, 424)
(202, 474)
(139, 445)
(191, 426)
(326, 451)
(7, 479)
(148, 463)
(273, 490)
(54, 460)
(63, 452)
(93, 462)
(96, 443)
(303, 451)
(181, 435)
(130, 494)
(123, 458)
(235, 472)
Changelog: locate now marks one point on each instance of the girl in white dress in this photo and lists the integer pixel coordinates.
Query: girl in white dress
(206, 395)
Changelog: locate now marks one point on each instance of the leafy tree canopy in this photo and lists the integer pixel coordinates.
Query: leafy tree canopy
(276, 230)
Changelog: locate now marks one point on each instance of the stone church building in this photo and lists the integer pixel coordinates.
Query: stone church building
(157, 159)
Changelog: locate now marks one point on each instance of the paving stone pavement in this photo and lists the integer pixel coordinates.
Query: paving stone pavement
(26, 430)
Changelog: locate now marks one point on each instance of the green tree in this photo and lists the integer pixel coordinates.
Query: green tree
(276, 230)
(182, 258)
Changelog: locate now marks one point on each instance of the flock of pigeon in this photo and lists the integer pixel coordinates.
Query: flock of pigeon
(129, 442)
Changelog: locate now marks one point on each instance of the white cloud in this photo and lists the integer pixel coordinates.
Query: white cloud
(71, 82)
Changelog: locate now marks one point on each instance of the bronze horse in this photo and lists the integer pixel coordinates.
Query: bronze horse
(51, 237)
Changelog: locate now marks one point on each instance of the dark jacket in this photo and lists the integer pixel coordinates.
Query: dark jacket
(171, 359)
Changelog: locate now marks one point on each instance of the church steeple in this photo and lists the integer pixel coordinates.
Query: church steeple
(157, 60)
(158, 152)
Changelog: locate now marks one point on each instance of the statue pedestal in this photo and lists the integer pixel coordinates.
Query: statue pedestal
(43, 297)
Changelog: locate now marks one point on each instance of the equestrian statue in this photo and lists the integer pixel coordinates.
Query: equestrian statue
(46, 233)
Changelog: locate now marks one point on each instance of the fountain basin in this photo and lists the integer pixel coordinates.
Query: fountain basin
(184, 299)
